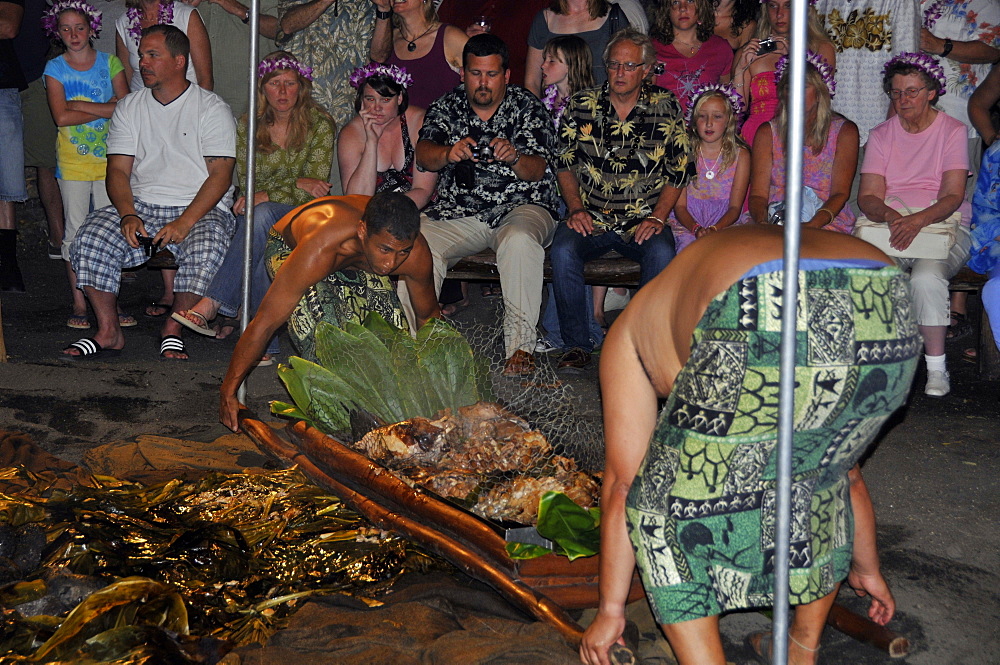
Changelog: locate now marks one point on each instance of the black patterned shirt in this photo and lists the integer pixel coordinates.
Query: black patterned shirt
(622, 165)
(523, 120)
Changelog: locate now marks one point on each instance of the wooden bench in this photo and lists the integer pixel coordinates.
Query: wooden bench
(616, 270)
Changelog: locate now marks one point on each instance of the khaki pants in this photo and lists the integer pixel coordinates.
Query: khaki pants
(519, 242)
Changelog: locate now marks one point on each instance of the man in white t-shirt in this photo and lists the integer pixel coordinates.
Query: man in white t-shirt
(171, 152)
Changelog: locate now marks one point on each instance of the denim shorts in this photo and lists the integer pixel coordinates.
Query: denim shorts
(12, 187)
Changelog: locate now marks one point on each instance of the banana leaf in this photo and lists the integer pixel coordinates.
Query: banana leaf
(574, 531)
(450, 362)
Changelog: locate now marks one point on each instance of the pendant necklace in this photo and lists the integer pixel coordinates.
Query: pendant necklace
(411, 44)
(710, 171)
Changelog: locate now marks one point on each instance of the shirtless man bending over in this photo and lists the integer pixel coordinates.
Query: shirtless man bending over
(688, 491)
(328, 247)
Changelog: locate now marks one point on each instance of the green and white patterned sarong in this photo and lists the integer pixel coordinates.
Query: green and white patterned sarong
(700, 512)
(346, 295)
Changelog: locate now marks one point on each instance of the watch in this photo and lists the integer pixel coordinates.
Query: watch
(381, 15)
(948, 46)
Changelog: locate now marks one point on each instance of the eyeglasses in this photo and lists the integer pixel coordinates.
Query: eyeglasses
(909, 93)
(627, 66)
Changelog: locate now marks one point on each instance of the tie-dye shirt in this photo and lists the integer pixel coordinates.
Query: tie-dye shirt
(81, 150)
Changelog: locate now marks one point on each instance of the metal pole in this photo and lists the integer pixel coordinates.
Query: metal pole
(251, 174)
(794, 146)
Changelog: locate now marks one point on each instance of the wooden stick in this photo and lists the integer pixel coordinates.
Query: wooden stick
(865, 630)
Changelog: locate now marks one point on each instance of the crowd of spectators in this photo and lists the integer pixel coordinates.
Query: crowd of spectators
(671, 128)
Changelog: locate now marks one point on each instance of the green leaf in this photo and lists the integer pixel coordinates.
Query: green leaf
(450, 363)
(526, 551)
(574, 531)
(287, 410)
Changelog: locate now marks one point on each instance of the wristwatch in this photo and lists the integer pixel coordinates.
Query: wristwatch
(381, 15)
(948, 46)
(246, 17)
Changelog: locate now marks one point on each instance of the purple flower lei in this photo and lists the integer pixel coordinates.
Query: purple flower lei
(933, 13)
(50, 19)
(554, 103)
(397, 74)
(165, 16)
(928, 64)
(812, 3)
(284, 62)
(727, 91)
(817, 61)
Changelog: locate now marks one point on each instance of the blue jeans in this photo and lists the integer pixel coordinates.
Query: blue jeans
(570, 250)
(12, 186)
(550, 320)
(226, 288)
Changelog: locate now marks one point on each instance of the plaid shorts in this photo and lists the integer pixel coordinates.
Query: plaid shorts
(100, 251)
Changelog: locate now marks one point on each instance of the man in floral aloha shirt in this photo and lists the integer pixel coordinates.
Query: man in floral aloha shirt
(626, 156)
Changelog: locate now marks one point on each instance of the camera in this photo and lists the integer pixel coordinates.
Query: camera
(482, 152)
(146, 242)
(767, 46)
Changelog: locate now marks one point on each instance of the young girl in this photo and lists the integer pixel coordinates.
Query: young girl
(714, 199)
(82, 85)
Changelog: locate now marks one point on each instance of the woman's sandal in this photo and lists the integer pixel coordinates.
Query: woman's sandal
(193, 320)
(223, 322)
(961, 328)
(970, 355)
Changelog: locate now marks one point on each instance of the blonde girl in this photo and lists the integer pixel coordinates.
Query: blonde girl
(82, 86)
(713, 199)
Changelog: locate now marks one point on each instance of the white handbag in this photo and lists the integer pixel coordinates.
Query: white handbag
(933, 242)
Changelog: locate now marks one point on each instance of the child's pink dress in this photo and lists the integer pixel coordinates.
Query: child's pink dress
(707, 201)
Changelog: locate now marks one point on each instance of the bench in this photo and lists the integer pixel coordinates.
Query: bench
(615, 270)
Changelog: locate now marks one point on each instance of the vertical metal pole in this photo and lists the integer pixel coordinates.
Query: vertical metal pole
(786, 401)
(251, 174)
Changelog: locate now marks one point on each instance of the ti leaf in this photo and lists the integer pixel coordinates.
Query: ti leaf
(526, 550)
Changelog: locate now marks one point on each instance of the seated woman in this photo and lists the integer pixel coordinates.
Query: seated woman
(985, 256)
(754, 66)
(294, 153)
(686, 48)
(829, 162)
(376, 151)
(688, 489)
(914, 172)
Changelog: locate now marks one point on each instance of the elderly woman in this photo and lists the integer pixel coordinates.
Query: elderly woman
(294, 153)
(686, 47)
(914, 172)
(376, 152)
(754, 73)
(829, 161)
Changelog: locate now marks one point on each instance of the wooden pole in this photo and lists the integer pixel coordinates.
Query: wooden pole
(865, 630)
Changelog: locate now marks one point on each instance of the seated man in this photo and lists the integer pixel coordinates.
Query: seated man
(691, 485)
(625, 159)
(330, 261)
(501, 199)
(171, 151)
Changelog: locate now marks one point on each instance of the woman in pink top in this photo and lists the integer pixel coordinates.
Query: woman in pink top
(753, 67)
(829, 160)
(918, 161)
(690, 54)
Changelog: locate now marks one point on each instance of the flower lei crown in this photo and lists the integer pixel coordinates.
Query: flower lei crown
(727, 91)
(284, 62)
(817, 61)
(812, 3)
(50, 19)
(926, 63)
(397, 74)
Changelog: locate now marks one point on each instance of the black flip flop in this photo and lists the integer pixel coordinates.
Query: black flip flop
(89, 350)
(172, 343)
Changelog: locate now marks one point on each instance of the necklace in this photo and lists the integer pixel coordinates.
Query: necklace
(693, 47)
(609, 116)
(710, 171)
(411, 44)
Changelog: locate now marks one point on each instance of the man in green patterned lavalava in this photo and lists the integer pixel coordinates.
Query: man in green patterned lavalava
(330, 260)
(689, 492)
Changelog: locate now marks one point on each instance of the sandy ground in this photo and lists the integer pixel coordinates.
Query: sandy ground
(933, 476)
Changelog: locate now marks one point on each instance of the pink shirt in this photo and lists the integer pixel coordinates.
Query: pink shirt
(913, 164)
(681, 74)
